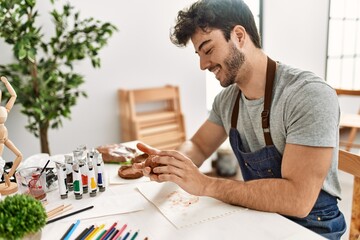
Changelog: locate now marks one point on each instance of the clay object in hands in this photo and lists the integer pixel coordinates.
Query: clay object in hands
(116, 153)
(150, 163)
(140, 158)
(128, 172)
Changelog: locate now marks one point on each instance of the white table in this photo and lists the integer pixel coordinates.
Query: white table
(247, 224)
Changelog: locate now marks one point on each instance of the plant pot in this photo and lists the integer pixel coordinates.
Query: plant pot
(33, 236)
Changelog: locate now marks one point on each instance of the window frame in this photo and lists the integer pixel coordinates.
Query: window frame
(340, 62)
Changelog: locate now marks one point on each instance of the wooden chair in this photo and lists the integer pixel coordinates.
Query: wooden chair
(351, 121)
(153, 116)
(350, 163)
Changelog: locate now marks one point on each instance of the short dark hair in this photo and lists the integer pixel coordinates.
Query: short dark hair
(214, 14)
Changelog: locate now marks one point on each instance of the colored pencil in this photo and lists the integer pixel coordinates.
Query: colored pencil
(72, 230)
(82, 234)
(135, 235)
(120, 231)
(110, 234)
(88, 232)
(126, 235)
(106, 233)
(67, 231)
(101, 234)
(68, 215)
(95, 232)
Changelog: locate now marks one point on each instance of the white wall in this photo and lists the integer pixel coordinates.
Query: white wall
(295, 33)
(141, 55)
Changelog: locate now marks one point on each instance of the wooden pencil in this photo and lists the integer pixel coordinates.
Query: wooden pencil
(59, 210)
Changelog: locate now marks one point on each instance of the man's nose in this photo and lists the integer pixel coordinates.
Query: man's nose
(204, 63)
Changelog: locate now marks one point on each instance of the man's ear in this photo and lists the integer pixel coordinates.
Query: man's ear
(240, 34)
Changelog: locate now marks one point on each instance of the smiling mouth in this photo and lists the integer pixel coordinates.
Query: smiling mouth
(215, 70)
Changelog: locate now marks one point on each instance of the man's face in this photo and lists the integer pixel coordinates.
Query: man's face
(217, 55)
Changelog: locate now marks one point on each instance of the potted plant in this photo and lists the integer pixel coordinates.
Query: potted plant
(21, 215)
(42, 74)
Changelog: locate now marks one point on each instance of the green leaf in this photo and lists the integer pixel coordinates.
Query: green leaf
(31, 3)
(31, 55)
(22, 54)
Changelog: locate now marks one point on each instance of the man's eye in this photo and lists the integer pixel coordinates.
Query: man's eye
(208, 51)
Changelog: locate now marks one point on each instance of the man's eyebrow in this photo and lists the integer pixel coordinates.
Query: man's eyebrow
(202, 44)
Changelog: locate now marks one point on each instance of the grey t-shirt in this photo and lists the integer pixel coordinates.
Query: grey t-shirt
(304, 111)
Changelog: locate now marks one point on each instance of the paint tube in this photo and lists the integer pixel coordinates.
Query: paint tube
(100, 172)
(92, 178)
(61, 175)
(78, 188)
(78, 155)
(69, 161)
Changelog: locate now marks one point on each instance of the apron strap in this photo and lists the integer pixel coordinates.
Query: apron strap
(235, 112)
(265, 115)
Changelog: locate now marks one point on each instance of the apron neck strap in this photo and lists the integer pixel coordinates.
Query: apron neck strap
(265, 115)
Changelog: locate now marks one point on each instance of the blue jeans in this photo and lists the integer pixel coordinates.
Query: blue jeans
(325, 217)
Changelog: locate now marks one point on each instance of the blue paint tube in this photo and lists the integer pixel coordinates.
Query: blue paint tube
(100, 172)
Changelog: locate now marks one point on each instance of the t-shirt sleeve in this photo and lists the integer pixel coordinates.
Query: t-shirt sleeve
(312, 116)
(215, 113)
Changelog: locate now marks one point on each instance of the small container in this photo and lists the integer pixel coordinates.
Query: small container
(31, 182)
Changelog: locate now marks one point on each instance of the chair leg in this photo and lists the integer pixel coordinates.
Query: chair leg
(351, 138)
(355, 215)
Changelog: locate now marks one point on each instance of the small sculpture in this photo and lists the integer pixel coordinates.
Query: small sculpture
(8, 187)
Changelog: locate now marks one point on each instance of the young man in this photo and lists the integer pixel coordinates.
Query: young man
(282, 123)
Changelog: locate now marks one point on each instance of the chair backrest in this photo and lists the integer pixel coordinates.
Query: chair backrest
(153, 116)
(350, 163)
(349, 122)
(347, 92)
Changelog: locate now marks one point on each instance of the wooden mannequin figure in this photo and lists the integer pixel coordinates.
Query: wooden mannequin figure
(8, 187)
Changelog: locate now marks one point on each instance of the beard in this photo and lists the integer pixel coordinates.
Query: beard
(233, 64)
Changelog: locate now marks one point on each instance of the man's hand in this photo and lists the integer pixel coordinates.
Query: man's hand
(175, 167)
(146, 170)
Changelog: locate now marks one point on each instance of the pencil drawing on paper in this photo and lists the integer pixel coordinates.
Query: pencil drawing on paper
(183, 209)
(181, 199)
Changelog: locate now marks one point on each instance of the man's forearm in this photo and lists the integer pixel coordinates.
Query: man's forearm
(192, 151)
(270, 195)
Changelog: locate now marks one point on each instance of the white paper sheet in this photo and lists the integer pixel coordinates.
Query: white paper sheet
(183, 209)
(107, 205)
(114, 205)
